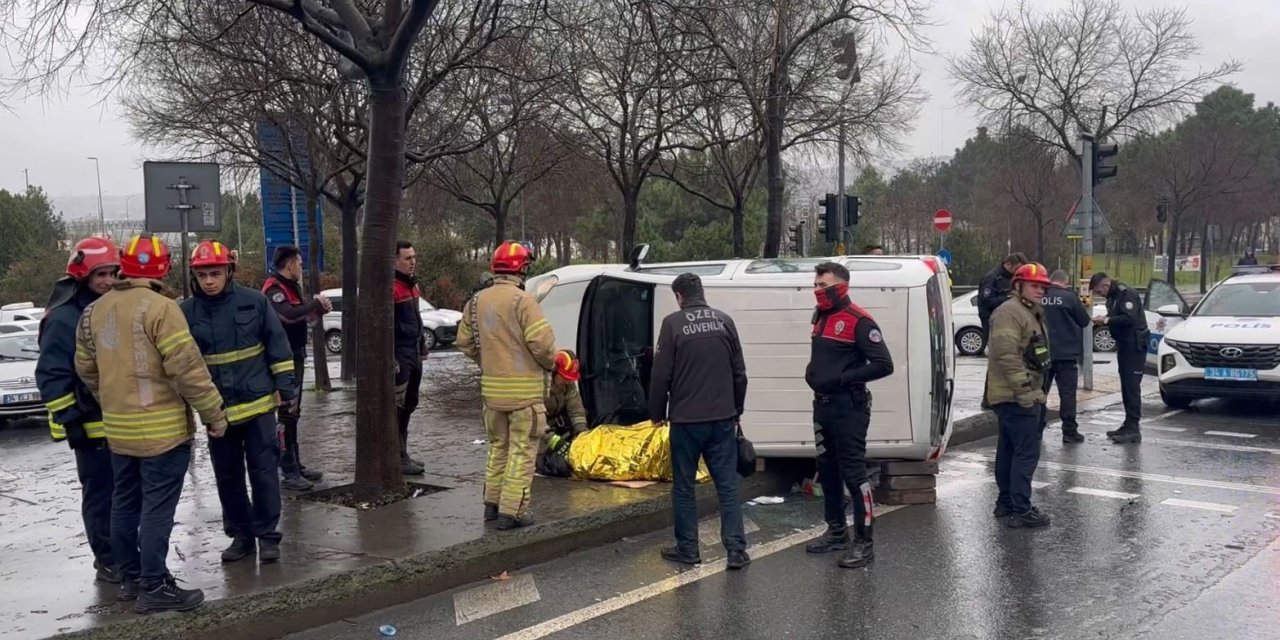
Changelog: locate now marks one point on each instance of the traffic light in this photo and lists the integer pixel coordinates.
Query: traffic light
(796, 245)
(851, 204)
(829, 217)
(847, 58)
(1100, 153)
(1162, 212)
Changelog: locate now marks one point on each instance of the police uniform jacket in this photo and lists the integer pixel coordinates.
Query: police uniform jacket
(1126, 319)
(285, 296)
(846, 350)
(1065, 317)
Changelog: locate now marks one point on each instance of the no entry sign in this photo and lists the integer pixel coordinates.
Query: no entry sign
(942, 220)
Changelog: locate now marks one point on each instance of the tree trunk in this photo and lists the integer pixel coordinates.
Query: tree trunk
(377, 445)
(319, 356)
(630, 209)
(499, 225)
(739, 228)
(350, 284)
(1171, 249)
(1204, 253)
(775, 180)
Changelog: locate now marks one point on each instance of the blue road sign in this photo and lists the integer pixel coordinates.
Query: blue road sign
(945, 256)
(280, 200)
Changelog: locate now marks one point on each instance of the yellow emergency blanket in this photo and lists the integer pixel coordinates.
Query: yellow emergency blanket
(618, 452)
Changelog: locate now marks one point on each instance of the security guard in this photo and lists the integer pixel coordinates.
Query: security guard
(1128, 325)
(284, 289)
(1066, 318)
(135, 354)
(410, 349)
(565, 414)
(847, 351)
(74, 415)
(504, 332)
(993, 290)
(1017, 380)
(249, 357)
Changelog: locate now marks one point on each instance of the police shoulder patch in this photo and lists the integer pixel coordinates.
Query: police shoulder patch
(875, 336)
(277, 297)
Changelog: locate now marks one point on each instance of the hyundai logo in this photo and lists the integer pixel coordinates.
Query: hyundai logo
(1231, 352)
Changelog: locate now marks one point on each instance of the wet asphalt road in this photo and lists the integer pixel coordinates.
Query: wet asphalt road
(1178, 537)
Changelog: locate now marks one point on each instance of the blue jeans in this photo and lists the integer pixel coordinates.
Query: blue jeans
(253, 442)
(142, 508)
(717, 444)
(1018, 453)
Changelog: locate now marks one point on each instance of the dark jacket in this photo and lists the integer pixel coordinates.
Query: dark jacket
(71, 407)
(1014, 327)
(286, 298)
(698, 371)
(410, 341)
(993, 291)
(245, 348)
(1065, 317)
(846, 351)
(1126, 319)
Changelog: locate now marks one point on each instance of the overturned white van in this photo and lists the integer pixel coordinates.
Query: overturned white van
(610, 314)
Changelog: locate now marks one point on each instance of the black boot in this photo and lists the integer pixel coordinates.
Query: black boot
(490, 512)
(168, 597)
(1028, 520)
(106, 573)
(404, 447)
(295, 482)
(832, 540)
(1072, 436)
(1127, 436)
(860, 554)
(674, 554)
(311, 474)
(506, 522)
(268, 551)
(240, 549)
(128, 590)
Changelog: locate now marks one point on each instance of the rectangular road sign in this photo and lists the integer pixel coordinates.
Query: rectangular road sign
(204, 197)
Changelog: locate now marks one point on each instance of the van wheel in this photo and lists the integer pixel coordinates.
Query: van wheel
(333, 341)
(1174, 402)
(970, 341)
(1103, 340)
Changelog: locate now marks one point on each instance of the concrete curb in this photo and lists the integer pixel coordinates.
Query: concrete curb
(297, 607)
(984, 425)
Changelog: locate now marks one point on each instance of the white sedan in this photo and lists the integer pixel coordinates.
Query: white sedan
(19, 395)
(440, 325)
(968, 327)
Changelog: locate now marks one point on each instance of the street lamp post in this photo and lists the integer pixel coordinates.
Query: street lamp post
(102, 218)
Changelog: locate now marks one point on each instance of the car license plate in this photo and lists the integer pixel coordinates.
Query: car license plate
(1219, 373)
(14, 398)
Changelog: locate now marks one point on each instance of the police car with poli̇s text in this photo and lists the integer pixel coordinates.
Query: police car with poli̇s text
(1229, 345)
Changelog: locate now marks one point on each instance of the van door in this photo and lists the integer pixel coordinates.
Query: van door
(1161, 294)
(941, 381)
(615, 346)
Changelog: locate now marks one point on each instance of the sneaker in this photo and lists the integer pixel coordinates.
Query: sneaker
(295, 482)
(168, 597)
(506, 522)
(859, 555)
(830, 541)
(1002, 510)
(490, 512)
(128, 591)
(410, 468)
(106, 573)
(240, 549)
(738, 560)
(311, 474)
(1072, 437)
(1028, 520)
(673, 554)
(268, 551)
(1127, 436)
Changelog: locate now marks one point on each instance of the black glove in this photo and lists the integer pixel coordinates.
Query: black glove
(77, 437)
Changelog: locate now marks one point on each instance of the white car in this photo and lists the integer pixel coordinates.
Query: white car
(20, 311)
(1229, 345)
(19, 395)
(19, 326)
(441, 324)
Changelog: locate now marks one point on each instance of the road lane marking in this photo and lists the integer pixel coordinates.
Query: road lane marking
(1193, 504)
(495, 597)
(688, 576)
(1169, 414)
(1169, 429)
(1103, 493)
(1138, 475)
(1212, 445)
(709, 529)
(1231, 434)
(1036, 484)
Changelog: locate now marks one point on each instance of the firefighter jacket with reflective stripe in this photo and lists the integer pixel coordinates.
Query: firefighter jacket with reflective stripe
(65, 396)
(286, 298)
(503, 330)
(1009, 379)
(135, 353)
(564, 403)
(245, 347)
(410, 341)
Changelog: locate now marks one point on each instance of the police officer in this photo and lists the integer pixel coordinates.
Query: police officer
(249, 357)
(1017, 380)
(410, 349)
(74, 415)
(1065, 317)
(503, 330)
(847, 351)
(1128, 325)
(135, 354)
(699, 383)
(993, 290)
(284, 290)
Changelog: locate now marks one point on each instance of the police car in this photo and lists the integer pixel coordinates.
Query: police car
(1229, 345)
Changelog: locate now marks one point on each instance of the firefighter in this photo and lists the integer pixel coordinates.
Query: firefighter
(847, 351)
(1018, 378)
(504, 332)
(566, 417)
(284, 289)
(74, 415)
(1128, 324)
(249, 358)
(135, 354)
(410, 349)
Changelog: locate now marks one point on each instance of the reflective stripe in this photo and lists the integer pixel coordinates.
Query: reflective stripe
(82, 352)
(170, 343)
(536, 328)
(244, 411)
(158, 432)
(58, 404)
(512, 388)
(229, 357)
(206, 403)
(150, 425)
(282, 367)
(92, 429)
(162, 416)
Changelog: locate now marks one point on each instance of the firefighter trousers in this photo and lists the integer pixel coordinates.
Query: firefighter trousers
(97, 483)
(513, 449)
(250, 446)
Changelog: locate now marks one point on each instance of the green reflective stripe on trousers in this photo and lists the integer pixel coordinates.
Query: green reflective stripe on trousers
(253, 409)
(229, 357)
(58, 404)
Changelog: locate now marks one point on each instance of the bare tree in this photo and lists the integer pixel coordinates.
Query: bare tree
(1090, 67)
(1030, 177)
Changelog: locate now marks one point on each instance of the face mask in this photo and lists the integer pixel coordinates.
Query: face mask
(831, 297)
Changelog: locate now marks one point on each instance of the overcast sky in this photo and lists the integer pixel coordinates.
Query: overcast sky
(53, 137)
